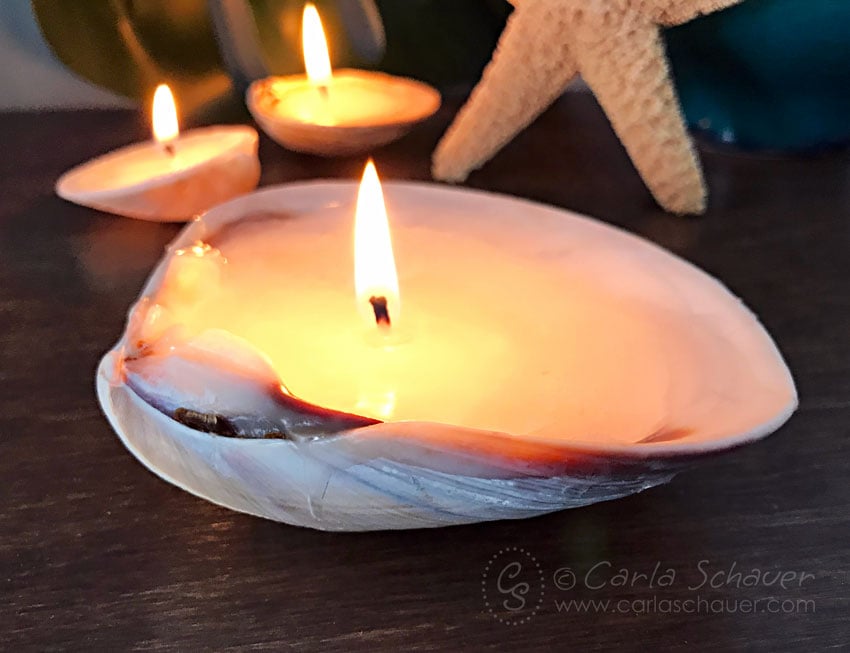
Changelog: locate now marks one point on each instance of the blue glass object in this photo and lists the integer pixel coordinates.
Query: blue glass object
(767, 74)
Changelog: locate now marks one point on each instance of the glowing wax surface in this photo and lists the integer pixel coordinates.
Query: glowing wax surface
(551, 327)
(353, 98)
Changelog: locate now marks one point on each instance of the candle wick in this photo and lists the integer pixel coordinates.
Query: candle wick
(382, 313)
(169, 148)
(325, 113)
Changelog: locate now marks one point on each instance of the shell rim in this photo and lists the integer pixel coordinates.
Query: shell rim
(623, 453)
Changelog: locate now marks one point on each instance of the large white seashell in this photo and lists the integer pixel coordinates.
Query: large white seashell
(348, 473)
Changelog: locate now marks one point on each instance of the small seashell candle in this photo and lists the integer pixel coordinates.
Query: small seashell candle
(334, 113)
(172, 178)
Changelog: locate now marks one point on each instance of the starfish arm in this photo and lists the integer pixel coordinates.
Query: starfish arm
(676, 12)
(626, 68)
(529, 70)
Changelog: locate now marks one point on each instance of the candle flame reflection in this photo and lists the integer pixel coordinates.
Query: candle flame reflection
(378, 404)
(316, 58)
(165, 127)
(375, 278)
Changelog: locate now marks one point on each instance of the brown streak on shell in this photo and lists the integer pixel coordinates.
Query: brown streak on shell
(205, 422)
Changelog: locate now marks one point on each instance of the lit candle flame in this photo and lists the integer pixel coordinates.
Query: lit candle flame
(375, 279)
(165, 128)
(316, 58)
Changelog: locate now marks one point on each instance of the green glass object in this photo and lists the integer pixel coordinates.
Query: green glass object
(210, 50)
(767, 74)
(129, 46)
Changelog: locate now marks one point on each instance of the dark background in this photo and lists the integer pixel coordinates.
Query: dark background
(98, 554)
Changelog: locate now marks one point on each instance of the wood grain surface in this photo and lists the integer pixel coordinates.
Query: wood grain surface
(98, 554)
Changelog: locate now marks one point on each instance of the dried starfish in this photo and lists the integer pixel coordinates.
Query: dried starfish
(617, 48)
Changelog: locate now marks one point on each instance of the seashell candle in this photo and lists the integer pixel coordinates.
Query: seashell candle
(172, 178)
(335, 113)
(522, 360)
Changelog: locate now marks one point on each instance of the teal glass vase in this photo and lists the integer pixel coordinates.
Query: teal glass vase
(767, 74)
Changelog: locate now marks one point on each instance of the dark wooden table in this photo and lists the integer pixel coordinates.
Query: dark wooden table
(98, 554)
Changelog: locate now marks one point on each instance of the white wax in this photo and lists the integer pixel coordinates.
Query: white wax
(537, 329)
(353, 98)
(149, 160)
